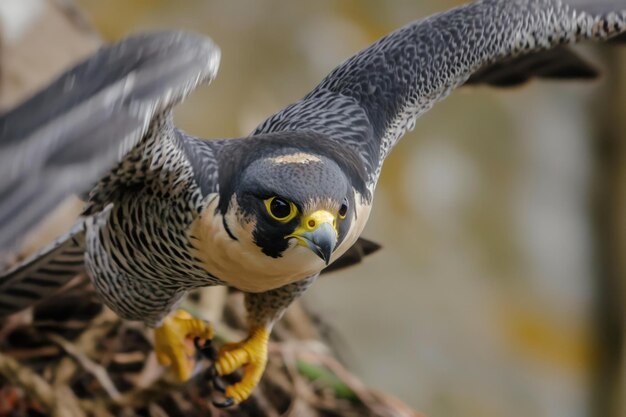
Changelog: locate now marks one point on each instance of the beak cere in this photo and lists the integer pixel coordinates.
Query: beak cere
(317, 233)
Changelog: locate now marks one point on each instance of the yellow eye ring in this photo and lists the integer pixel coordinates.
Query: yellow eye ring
(280, 209)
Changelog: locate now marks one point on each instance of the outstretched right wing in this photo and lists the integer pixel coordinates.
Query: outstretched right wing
(61, 140)
(369, 101)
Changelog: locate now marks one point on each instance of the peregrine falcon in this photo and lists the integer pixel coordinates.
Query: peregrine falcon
(166, 212)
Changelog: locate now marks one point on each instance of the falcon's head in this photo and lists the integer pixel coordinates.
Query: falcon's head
(288, 204)
(294, 198)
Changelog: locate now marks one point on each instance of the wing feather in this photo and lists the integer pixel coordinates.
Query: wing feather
(44, 273)
(373, 98)
(559, 63)
(65, 137)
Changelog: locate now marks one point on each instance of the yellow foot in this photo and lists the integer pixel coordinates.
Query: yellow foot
(170, 342)
(251, 354)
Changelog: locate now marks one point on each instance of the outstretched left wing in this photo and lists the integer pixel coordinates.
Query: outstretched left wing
(370, 101)
(61, 140)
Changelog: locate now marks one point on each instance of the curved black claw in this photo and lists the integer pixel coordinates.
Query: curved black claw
(228, 402)
(207, 350)
(216, 380)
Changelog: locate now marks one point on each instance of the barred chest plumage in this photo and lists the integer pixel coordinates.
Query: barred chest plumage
(139, 257)
(138, 253)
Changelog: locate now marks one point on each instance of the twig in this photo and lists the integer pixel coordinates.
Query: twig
(40, 390)
(382, 405)
(90, 366)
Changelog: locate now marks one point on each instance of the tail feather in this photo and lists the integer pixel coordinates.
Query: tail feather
(44, 273)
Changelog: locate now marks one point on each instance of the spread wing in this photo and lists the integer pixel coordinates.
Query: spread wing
(370, 101)
(61, 140)
(560, 63)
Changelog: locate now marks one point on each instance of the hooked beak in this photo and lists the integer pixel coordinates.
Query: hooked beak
(317, 233)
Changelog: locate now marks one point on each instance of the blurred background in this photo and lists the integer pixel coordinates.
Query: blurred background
(500, 287)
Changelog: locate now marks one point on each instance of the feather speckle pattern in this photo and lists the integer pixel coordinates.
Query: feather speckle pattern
(373, 98)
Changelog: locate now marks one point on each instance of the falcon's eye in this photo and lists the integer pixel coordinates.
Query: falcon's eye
(343, 210)
(280, 209)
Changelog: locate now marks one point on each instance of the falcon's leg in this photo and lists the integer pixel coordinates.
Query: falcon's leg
(251, 354)
(170, 345)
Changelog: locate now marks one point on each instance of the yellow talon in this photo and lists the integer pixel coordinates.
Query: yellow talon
(251, 354)
(170, 342)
